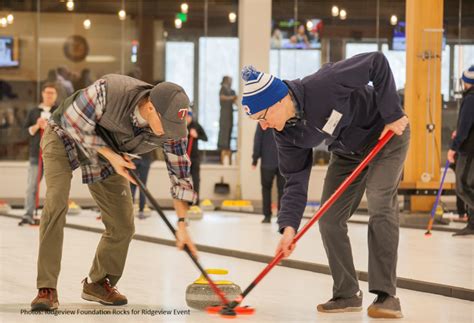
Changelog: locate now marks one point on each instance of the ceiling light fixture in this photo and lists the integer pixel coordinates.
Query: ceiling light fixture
(232, 17)
(343, 14)
(178, 23)
(184, 7)
(393, 20)
(87, 23)
(335, 11)
(122, 14)
(70, 5)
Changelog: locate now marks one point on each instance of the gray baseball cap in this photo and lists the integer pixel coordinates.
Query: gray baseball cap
(172, 102)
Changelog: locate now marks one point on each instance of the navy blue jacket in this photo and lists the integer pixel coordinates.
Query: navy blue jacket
(464, 140)
(365, 110)
(264, 147)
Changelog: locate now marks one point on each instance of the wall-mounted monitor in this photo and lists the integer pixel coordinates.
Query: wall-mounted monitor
(9, 51)
(293, 34)
(398, 41)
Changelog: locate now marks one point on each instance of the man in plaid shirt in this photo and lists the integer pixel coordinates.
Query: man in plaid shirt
(137, 117)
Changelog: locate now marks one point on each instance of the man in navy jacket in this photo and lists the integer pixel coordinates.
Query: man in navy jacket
(336, 105)
(264, 148)
(463, 146)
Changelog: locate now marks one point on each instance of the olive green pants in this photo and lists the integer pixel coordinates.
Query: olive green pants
(115, 203)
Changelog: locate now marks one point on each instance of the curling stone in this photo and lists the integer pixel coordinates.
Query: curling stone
(245, 206)
(207, 205)
(74, 209)
(439, 211)
(438, 216)
(5, 207)
(195, 213)
(229, 205)
(200, 295)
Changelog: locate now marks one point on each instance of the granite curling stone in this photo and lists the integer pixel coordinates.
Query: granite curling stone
(5, 208)
(199, 295)
(73, 208)
(195, 213)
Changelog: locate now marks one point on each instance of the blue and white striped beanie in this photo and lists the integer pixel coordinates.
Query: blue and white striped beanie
(468, 75)
(261, 90)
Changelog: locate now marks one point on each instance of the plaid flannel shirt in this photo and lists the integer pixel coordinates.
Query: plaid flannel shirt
(179, 168)
(77, 131)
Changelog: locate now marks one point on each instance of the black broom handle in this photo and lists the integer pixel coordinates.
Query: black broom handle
(111, 143)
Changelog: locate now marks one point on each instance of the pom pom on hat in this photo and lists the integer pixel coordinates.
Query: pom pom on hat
(261, 90)
(468, 75)
(249, 73)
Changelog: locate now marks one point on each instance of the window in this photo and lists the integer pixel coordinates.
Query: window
(290, 64)
(463, 59)
(359, 48)
(397, 61)
(218, 57)
(180, 65)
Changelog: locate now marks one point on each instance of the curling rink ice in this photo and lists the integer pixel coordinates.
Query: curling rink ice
(156, 276)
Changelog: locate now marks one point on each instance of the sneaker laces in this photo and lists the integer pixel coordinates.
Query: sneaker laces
(46, 292)
(111, 289)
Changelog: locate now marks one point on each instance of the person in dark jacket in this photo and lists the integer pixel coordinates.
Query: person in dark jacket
(99, 129)
(227, 98)
(35, 124)
(264, 148)
(461, 206)
(195, 132)
(337, 106)
(142, 166)
(462, 147)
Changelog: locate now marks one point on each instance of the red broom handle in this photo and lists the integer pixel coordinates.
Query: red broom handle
(190, 146)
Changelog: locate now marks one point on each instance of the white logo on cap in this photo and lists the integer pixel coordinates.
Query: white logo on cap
(182, 113)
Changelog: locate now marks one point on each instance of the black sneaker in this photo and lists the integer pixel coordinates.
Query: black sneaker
(340, 305)
(28, 220)
(468, 230)
(267, 219)
(385, 306)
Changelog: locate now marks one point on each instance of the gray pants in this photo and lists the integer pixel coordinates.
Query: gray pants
(465, 178)
(381, 179)
(465, 183)
(32, 188)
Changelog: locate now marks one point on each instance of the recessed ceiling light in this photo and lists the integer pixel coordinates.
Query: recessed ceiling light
(343, 14)
(232, 17)
(122, 14)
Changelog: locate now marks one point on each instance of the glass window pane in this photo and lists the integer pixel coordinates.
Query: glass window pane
(445, 73)
(180, 65)
(358, 48)
(289, 64)
(463, 59)
(218, 57)
(397, 62)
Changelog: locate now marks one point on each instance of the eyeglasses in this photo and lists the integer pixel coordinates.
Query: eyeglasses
(263, 116)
